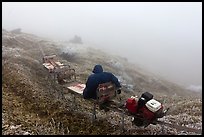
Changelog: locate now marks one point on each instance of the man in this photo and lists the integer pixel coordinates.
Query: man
(97, 78)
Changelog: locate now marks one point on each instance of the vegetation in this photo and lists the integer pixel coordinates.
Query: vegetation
(33, 104)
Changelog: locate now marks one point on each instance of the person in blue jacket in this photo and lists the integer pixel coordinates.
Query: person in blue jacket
(98, 77)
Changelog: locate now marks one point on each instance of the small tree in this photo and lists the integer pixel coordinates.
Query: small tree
(76, 39)
(17, 31)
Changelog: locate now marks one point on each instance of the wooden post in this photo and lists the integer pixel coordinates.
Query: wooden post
(74, 101)
(122, 123)
(162, 130)
(94, 112)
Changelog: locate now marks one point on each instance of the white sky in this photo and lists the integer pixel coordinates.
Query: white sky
(163, 37)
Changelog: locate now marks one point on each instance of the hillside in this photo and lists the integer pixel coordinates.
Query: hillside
(31, 104)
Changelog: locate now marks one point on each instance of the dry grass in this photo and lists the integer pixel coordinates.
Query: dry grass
(31, 104)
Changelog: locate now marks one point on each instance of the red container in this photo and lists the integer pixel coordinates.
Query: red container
(147, 114)
(131, 105)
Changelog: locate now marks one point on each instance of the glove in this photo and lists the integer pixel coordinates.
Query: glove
(119, 91)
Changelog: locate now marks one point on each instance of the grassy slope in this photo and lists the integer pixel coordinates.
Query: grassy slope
(28, 99)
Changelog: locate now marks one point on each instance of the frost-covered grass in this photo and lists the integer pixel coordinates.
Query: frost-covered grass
(30, 105)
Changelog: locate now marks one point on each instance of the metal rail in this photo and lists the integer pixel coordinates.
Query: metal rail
(180, 128)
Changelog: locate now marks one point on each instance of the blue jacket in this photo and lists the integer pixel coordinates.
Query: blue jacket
(97, 78)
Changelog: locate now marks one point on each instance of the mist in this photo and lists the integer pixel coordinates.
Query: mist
(163, 38)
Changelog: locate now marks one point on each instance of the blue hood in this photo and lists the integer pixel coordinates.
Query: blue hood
(97, 69)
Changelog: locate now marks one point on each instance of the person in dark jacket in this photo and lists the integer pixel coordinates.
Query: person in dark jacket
(97, 78)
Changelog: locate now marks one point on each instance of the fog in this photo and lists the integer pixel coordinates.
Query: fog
(163, 38)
